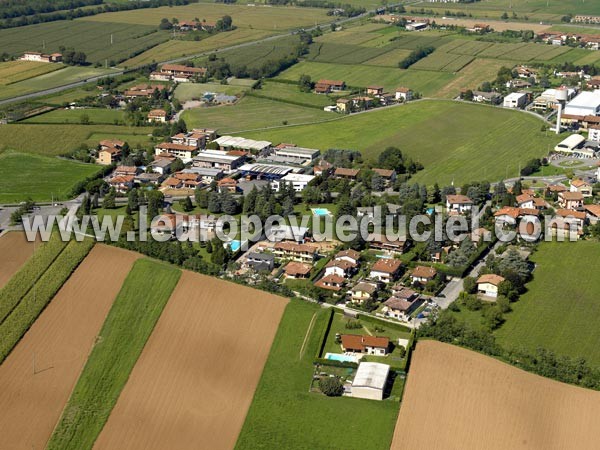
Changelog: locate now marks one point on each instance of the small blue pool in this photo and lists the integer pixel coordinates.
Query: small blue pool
(341, 358)
(321, 212)
(430, 211)
(235, 245)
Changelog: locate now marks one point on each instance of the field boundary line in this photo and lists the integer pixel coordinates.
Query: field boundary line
(308, 332)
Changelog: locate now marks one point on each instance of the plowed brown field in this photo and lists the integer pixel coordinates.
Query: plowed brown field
(14, 251)
(57, 344)
(459, 399)
(195, 379)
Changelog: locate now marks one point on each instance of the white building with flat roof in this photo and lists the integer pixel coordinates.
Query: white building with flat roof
(298, 181)
(515, 100)
(370, 380)
(242, 143)
(585, 104)
(299, 153)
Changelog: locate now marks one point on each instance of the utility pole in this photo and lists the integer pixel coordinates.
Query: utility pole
(111, 39)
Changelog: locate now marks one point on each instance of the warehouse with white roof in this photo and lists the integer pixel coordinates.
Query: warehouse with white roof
(370, 380)
(585, 104)
(242, 143)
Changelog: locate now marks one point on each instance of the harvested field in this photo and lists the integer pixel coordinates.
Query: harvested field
(15, 250)
(496, 25)
(195, 379)
(459, 399)
(60, 340)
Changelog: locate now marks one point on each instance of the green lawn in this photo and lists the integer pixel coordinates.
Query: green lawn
(252, 114)
(39, 177)
(119, 345)
(426, 82)
(60, 139)
(561, 309)
(457, 142)
(191, 91)
(285, 415)
(75, 116)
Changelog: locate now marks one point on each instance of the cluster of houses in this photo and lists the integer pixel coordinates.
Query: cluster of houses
(178, 73)
(42, 57)
(194, 25)
(371, 97)
(588, 41)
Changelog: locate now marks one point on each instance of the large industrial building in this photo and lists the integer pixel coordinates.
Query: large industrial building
(370, 380)
(585, 104)
(230, 142)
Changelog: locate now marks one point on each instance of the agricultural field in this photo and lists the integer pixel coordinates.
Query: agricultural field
(60, 340)
(291, 93)
(51, 80)
(180, 48)
(456, 398)
(14, 71)
(193, 91)
(15, 251)
(53, 140)
(77, 116)
(204, 359)
(91, 37)
(314, 421)
(446, 62)
(425, 82)
(124, 334)
(244, 16)
(388, 59)
(558, 312)
(252, 114)
(463, 142)
(471, 77)
(38, 177)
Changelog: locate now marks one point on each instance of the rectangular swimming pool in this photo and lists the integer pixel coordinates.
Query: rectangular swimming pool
(321, 212)
(341, 358)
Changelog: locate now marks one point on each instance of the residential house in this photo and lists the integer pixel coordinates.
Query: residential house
(172, 183)
(161, 165)
(323, 167)
(487, 97)
(341, 268)
(296, 270)
(146, 179)
(592, 213)
(227, 185)
(405, 293)
(362, 291)
(296, 252)
(423, 274)
(261, 261)
(404, 94)
(343, 104)
(122, 183)
(41, 57)
(179, 69)
(370, 345)
(487, 285)
(298, 181)
(382, 242)
(375, 90)
(583, 187)
(331, 282)
(399, 308)
(525, 201)
(576, 218)
(388, 175)
(110, 151)
(143, 90)
(570, 200)
(349, 174)
(458, 203)
(352, 256)
(386, 270)
(157, 115)
(515, 100)
(327, 86)
(185, 152)
(126, 170)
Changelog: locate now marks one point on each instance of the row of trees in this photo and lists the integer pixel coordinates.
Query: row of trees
(415, 56)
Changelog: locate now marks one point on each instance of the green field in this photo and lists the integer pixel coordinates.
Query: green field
(50, 80)
(561, 308)
(426, 82)
(75, 116)
(31, 305)
(455, 141)
(291, 93)
(40, 178)
(445, 62)
(252, 114)
(14, 71)
(60, 139)
(190, 91)
(285, 415)
(119, 345)
(548, 7)
(92, 38)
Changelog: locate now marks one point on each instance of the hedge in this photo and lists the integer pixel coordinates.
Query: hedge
(333, 363)
(323, 336)
(35, 301)
(18, 286)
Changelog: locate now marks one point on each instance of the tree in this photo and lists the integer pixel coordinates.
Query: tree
(228, 204)
(331, 386)
(177, 165)
(201, 196)
(186, 204)
(214, 203)
(133, 200)
(305, 83)
(84, 119)
(109, 199)
(470, 285)
(155, 201)
(165, 24)
(377, 183)
(493, 317)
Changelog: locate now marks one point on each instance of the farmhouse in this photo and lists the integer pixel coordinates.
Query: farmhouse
(157, 115)
(296, 252)
(370, 345)
(404, 94)
(423, 274)
(178, 150)
(515, 100)
(341, 104)
(41, 57)
(458, 203)
(143, 90)
(218, 159)
(362, 291)
(327, 86)
(260, 261)
(386, 270)
(487, 285)
(297, 180)
(296, 270)
(178, 69)
(370, 380)
(570, 200)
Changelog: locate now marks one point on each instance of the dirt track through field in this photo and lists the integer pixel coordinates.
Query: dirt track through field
(459, 399)
(61, 339)
(14, 251)
(195, 379)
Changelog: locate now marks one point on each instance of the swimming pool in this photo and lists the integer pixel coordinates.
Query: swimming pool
(341, 358)
(321, 212)
(235, 245)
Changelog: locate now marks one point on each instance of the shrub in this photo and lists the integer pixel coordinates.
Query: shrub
(331, 386)
(353, 325)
